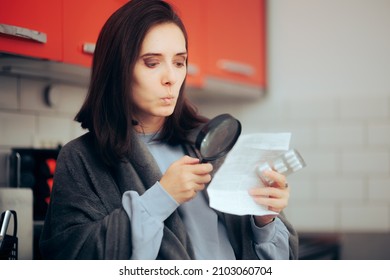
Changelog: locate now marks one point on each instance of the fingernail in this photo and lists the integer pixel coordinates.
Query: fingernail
(266, 179)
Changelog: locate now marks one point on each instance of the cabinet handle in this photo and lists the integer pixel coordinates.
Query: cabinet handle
(18, 168)
(22, 32)
(89, 48)
(236, 67)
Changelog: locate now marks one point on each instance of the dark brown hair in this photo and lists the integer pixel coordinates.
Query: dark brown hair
(108, 107)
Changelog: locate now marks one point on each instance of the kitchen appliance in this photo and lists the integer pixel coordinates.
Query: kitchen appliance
(34, 169)
(20, 200)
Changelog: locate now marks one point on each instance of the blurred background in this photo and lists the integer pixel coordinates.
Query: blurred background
(322, 73)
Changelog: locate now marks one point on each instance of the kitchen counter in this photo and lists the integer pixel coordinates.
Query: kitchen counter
(344, 246)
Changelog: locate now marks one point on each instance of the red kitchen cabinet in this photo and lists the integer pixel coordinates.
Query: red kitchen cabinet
(192, 14)
(58, 30)
(82, 23)
(31, 28)
(236, 42)
(227, 44)
(227, 39)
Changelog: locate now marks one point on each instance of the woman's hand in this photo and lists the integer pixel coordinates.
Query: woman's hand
(274, 196)
(185, 177)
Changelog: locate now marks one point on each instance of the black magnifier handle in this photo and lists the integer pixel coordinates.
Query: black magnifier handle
(198, 155)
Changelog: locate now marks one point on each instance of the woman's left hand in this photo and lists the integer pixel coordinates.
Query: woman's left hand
(274, 196)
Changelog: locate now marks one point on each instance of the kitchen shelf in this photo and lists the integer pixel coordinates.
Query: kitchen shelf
(15, 65)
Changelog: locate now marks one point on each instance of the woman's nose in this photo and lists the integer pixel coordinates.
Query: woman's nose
(170, 76)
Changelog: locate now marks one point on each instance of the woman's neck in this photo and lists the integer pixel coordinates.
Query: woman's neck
(149, 125)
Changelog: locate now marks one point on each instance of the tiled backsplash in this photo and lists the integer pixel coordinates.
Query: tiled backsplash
(27, 121)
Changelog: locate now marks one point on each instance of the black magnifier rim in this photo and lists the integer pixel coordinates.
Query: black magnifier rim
(213, 123)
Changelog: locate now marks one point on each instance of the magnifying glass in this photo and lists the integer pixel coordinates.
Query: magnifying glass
(217, 137)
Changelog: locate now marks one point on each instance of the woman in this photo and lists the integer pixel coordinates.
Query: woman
(130, 188)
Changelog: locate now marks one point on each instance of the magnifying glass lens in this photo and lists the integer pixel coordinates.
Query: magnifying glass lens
(218, 137)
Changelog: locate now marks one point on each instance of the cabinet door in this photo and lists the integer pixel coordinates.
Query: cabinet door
(236, 40)
(31, 28)
(192, 14)
(82, 23)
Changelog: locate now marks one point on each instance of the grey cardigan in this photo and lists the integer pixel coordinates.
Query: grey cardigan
(86, 220)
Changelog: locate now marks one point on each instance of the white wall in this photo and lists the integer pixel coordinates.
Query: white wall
(329, 84)
(26, 121)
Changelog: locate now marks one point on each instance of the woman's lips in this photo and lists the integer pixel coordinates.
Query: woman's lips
(167, 100)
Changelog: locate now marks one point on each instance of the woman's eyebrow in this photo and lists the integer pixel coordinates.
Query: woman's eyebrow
(159, 54)
(151, 54)
(181, 54)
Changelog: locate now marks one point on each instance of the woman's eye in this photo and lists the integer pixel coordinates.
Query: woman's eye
(179, 63)
(151, 63)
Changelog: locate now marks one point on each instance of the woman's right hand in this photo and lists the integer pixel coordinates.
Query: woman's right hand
(185, 177)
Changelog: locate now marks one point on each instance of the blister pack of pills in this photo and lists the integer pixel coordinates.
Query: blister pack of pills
(286, 163)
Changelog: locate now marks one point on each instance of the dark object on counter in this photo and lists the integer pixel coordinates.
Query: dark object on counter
(319, 246)
(33, 168)
(8, 243)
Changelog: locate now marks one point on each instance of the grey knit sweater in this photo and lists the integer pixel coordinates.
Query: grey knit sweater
(86, 220)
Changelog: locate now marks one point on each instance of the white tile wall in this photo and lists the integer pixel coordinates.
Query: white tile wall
(335, 135)
(320, 109)
(320, 162)
(324, 217)
(370, 163)
(364, 107)
(379, 189)
(68, 97)
(53, 131)
(27, 121)
(301, 189)
(17, 129)
(365, 217)
(379, 134)
(9, 93)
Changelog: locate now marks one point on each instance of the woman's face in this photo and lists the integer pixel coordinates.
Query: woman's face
(159, 73)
